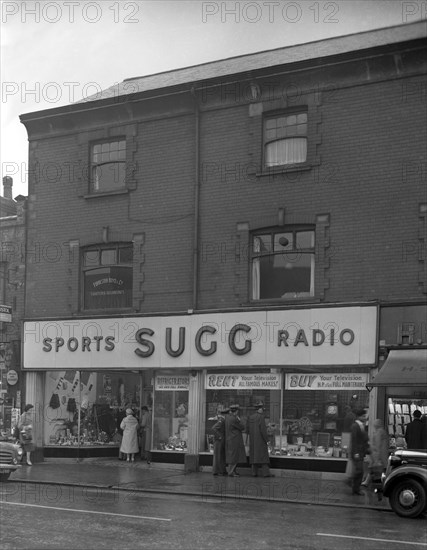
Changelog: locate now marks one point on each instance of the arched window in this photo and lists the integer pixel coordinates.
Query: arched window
(283, 263)
(107, 275)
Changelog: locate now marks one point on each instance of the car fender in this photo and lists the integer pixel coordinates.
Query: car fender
(11, 467)
(413, 472)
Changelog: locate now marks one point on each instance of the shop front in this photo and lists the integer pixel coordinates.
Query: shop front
(308, 366)
(401, 381)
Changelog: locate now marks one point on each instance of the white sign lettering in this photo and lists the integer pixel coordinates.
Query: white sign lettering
(258, 381)
(326, 381)
(318, 336)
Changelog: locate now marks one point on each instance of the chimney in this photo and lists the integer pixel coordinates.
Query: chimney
(7, 187)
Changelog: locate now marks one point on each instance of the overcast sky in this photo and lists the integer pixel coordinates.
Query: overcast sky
(55, 53)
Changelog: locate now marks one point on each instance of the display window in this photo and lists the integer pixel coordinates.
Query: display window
(170, 419)
(244, 389)
(307, 414)
(86, 408)
(399, 414)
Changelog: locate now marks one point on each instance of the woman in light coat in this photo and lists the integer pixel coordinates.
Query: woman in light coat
(25, 427)
(379, 452)
(130, 427)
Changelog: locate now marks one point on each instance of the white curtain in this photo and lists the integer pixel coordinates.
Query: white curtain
(286, 151)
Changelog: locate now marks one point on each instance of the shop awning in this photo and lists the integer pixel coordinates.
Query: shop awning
(402, 368)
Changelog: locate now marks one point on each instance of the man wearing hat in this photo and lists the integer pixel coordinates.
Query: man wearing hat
(359, 449)
(234, 447)
(416, 432)
(258, 442)
(219, 467)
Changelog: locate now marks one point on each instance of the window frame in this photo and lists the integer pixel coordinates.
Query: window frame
(272, 232)
(93, 165)
(84, 269)
(274, 115)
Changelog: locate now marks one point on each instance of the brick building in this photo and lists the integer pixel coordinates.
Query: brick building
(243, 230)
(12, 281)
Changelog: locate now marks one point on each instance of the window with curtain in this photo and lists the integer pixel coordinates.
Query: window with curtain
(283, 262)
(285, 139)
(107, 274)
(108, 165)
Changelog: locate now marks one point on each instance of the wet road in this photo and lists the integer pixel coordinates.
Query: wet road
(61, 517)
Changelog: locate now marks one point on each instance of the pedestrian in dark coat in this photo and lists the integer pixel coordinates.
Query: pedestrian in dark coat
(234, 447)
(359, 449)
(146, 431)
(258, 442)
(219, 464)
(416, 432)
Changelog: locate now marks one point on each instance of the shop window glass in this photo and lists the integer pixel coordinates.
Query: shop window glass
(170, 425)
(101, 399)
(317, 423)
(246, 399)
(107, 277)
(283, 263)
(399, 415)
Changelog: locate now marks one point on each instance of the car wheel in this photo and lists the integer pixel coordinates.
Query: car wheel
(4, 477)
(408, 498)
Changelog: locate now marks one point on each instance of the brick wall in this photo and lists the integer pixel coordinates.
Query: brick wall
(367, 180)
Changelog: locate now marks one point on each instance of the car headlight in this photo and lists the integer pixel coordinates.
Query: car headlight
(14, 460)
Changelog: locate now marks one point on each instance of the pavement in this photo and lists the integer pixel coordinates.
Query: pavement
(291, 486)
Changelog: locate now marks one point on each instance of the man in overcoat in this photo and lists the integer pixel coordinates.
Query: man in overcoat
(219, 467)
(234, 447)
(416, 432)
(258, 442)
(359, 449)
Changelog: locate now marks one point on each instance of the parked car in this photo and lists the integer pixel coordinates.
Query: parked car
(405, 482)
(9, 457)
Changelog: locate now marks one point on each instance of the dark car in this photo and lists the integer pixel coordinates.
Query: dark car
(9, 458)
(405, 482)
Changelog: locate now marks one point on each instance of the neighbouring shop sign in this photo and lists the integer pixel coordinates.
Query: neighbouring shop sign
(5, 314)
(317, 336)
(253, 381)
(326, 381)
(172, 383)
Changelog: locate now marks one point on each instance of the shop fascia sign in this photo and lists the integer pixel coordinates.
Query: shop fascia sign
(250, 381)
(326, 381)
(172, 383)
(318, 336)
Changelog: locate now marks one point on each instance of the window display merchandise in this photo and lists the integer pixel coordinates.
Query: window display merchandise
(304, 417)
(170, 429)
(86, 408)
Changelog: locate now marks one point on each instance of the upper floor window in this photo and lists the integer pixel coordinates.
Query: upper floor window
(107, 276)
(285, 139)
(283, 263)
(108, 165)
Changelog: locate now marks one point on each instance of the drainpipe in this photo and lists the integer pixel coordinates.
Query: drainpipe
(196, 201)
